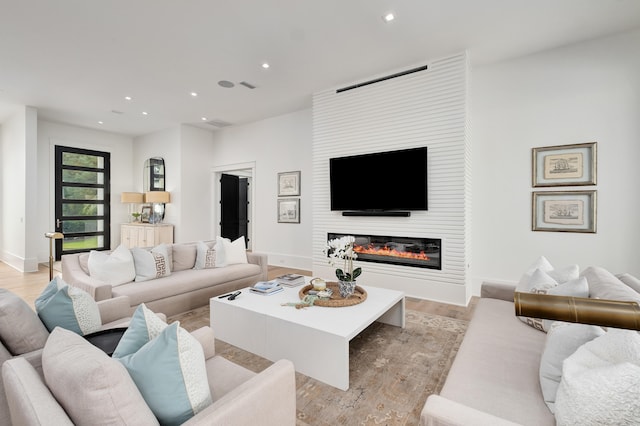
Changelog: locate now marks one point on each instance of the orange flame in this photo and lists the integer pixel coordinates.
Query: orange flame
(386, 251)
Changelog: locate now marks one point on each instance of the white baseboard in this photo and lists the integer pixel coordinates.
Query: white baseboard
(19, 263)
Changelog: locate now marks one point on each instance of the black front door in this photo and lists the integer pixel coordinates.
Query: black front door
(82, 194)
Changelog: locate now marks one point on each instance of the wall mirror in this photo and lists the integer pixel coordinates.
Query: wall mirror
(153, 175)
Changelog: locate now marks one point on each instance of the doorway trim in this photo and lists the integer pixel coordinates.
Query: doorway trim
(247, 170)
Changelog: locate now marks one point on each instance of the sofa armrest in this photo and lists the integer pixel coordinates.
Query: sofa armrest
(500, 291)
(261, 260)
(206, 337)
(440, 411)
(114, 309)
(267, 399)
(73, 274)
(30, 401)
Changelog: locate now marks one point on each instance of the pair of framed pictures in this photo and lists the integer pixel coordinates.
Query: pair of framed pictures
(564, 165)
(289, 186)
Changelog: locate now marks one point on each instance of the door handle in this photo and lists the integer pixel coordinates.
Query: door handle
(58, 223)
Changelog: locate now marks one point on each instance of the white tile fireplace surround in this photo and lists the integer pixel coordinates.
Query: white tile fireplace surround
(422, 109)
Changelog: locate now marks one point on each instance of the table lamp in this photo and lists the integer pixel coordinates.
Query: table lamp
(157, 199)
(131, 198)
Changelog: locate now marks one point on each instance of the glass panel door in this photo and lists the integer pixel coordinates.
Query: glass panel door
(82, 200)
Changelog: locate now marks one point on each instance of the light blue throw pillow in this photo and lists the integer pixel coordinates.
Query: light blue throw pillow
(171, 375)
(144, 326)
(71, 308)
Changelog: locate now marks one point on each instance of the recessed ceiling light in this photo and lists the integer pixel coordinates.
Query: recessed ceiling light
(265, 65)
(194, 94)
(388, 17)
(100, 122)
(203, 118)
(128, 98)
(145, 113)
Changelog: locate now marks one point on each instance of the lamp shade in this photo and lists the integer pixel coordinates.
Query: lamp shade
(157, 197)
(131, 197)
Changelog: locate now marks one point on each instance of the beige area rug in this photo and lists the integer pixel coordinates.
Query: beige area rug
(392, 371)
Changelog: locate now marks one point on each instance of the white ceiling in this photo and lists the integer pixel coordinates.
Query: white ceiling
(76, 60)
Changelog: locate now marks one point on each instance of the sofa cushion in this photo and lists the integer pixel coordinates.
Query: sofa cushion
(563, 339)
(604, 285)
(601, 382)
(92, 387)
(170, 373)
(21, 330)
(113, 268)
(145, 325)
(83, 260)
(630, 280)
(184, 256)
(68, 307)
(151, 264)
(480, 380)
(205, 256)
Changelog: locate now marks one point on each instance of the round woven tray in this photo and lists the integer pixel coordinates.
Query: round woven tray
(336, 301)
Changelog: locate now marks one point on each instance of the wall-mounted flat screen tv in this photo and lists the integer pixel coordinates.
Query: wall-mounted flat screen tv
(381, 181)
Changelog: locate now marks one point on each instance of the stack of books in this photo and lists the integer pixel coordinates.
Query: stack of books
(290, 280)
(266, 287)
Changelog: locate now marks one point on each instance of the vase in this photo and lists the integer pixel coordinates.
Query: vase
(346, 288)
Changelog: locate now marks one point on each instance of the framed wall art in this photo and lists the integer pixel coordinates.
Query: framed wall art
(146, 214)
(564, 211)
(288, 184)
(564, 165)
(289, 210)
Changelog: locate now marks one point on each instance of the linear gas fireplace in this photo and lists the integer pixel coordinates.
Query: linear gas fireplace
(407, 251)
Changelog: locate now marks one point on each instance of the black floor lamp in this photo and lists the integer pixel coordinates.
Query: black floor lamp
(52, 236)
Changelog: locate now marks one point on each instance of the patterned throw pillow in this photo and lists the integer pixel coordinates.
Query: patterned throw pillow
(68, 307)
(144, 326)
(543, 279)
(151, 264)
(171, 375)
(205, 256)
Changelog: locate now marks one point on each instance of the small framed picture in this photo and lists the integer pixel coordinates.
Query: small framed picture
(146, 214)
(564, 165)
(288, 184)
(289, 210)
(564, 211)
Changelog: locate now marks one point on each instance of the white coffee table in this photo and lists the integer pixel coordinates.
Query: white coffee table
(316, 339)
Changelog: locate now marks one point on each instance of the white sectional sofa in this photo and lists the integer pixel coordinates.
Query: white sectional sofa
(184, 289)
(495, 378)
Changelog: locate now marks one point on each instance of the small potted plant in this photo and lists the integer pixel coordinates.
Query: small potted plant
(340, 251)
(136, 216)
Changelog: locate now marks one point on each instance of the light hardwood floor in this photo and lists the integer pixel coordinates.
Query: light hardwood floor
(29, 285)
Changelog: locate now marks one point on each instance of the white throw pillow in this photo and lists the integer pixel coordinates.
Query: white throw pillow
(205, 256)
(601, 382)
(630, 280)
(115, 268)
(229, 253)
(540, 263)
(563, 339)
(151, 264)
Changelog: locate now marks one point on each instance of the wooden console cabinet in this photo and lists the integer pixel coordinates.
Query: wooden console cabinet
(145, 234)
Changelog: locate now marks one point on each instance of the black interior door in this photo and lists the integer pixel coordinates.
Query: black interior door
(233, 206)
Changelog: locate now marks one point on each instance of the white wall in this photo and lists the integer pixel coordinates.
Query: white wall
(19, 200)
(581, 93)
(426, 108)
(120, 148)
(278, 144)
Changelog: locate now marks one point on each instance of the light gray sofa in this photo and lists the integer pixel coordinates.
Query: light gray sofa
(494, 379)
(240, 397)
(23, 335)
(185, 289)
